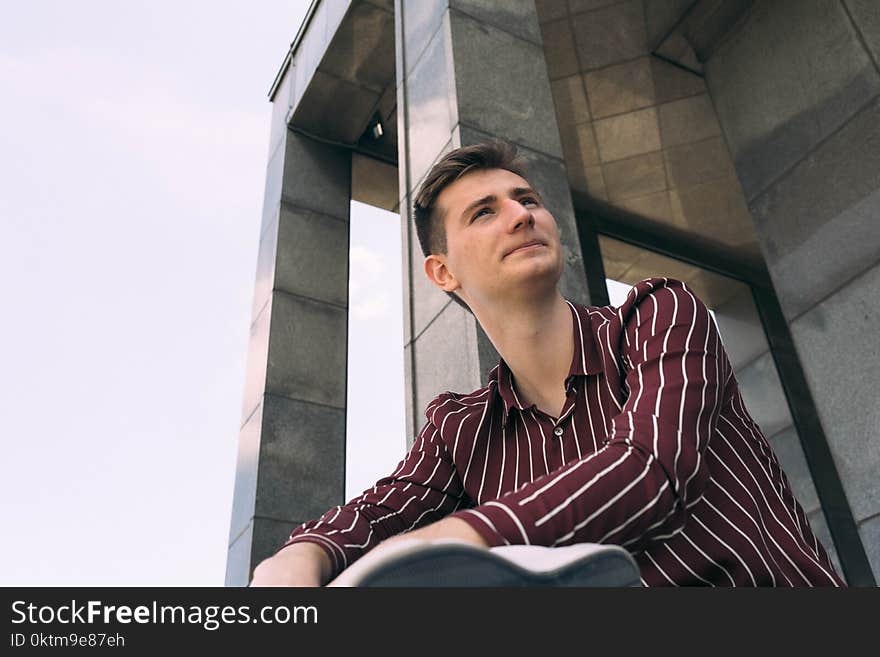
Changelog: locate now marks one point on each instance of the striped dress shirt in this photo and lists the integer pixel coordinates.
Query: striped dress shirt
(654, 450)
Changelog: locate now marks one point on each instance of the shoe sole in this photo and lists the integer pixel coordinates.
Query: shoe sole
(460, 566)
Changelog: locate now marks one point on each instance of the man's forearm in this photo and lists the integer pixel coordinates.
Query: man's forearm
(299, 564)
(614, 495)
(454, 528)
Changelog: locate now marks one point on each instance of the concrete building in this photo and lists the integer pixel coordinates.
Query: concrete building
(734, 144)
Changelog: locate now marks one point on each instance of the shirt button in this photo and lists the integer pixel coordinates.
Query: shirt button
(558, 431)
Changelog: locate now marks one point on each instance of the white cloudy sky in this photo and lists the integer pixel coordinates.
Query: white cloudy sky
(133, 140)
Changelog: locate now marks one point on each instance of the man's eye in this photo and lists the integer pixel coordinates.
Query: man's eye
(529, 199)
(480, 212)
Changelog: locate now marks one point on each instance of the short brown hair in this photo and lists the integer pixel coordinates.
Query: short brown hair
(431, 231)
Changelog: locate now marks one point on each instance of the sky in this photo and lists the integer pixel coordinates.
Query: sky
(133, 146)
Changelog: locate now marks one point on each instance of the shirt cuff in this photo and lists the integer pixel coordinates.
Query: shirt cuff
(490, 523)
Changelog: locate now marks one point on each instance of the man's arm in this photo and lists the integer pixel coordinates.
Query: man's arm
(298, 564)
(424, 488)
(651, 469)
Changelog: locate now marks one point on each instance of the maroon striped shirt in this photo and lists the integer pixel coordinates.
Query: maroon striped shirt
(654, 451)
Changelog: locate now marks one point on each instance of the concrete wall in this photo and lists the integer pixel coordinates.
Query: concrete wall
(797, 91)
(469, 70)
(291, 453)
(638, 132)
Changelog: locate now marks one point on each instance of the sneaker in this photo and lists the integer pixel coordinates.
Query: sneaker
(453, 563)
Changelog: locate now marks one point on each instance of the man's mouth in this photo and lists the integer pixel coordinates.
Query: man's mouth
(528, 245)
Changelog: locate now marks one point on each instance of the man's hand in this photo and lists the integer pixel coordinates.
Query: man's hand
(306, 564)
(299, 564)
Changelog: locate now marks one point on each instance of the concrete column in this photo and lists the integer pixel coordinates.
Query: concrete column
(468, 71)
(291, 461)
(797, 91)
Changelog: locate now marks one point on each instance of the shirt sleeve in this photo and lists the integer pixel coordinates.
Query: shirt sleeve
(651, 469)
(422, 489)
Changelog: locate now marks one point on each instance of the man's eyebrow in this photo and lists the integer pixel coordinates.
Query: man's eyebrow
(515, 191)
(519, 191)
(478, 202)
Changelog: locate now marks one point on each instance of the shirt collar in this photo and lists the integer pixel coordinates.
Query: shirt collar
(585, 360)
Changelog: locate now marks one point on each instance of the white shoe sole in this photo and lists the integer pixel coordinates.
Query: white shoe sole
(454, 564)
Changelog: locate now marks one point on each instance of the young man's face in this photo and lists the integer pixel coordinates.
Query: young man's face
(489, 216)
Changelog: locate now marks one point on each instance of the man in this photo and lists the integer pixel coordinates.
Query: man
(604, 425)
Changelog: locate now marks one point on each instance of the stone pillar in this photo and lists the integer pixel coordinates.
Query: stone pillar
(291, 461)
(797, 91)
(467, 71)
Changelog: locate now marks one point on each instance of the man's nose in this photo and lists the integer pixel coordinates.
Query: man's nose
(519, 215)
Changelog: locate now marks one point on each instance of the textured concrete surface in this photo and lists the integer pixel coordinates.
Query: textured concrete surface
(610, 34)
(431, 96)
(516, 17)
(570, 100)
(316, 177)
(697, 162)
(549, 10)
(661, 16)
(793, 74)
(837, 344)
(628, 134)
(717, 209)
(820, 529)
(688, 120)
(315, 260)
(621, 88)
(869, 530)
(422, 21)
(492, 96)
(307, 350)
(741, 330)
(867, 22)
(302, 459)
(635, 176)
(672, 83)
(787, 447)
(292, 440)
(559, 51)
(446, 357)
(656, 206)
(819, 224)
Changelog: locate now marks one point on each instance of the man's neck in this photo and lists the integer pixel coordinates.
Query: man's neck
(536, 339)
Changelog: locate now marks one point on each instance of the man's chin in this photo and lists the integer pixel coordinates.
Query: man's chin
(535, 268)
(535, 282)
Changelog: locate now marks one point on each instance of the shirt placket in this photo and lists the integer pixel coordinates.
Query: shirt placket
(567, 410)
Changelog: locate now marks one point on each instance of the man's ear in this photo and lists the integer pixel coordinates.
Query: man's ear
(438, 273)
